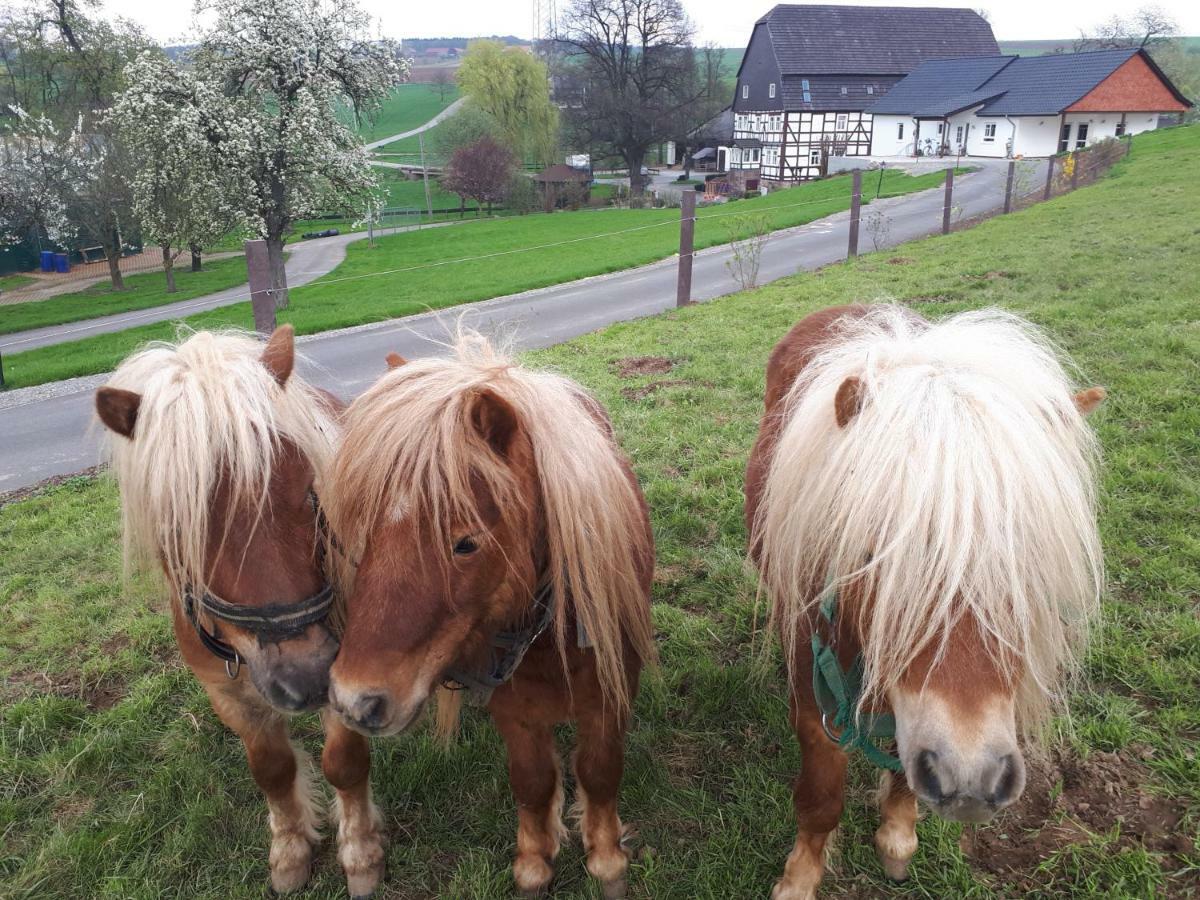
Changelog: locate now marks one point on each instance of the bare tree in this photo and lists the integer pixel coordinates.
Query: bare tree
(1149, 26)
(635, 68)
(442, 81)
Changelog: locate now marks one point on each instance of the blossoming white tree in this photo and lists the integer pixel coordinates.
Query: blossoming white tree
(268, 78)
(37, 166)
(182, 195)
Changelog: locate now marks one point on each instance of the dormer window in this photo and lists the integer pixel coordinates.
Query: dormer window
(870, 88)
(771, 91)
(845, 90)
(804, 88)
(745, 92)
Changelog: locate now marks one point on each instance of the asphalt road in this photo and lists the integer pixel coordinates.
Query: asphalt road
(44, 431)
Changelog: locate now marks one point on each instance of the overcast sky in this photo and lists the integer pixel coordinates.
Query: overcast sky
(724, 23)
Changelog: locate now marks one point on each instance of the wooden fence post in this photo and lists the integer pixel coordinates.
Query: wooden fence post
(1008, 185)
(855, 213)
(687, 232)
(259, 272)
(946, 203)
(1074, 170)
(1049, 178)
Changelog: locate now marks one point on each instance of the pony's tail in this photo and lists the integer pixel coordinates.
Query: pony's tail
(447, 716)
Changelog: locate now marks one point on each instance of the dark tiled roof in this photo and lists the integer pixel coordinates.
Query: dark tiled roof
(825, 91)
(717, 129)
(832, 40)
(561, 173)
(1005, 85)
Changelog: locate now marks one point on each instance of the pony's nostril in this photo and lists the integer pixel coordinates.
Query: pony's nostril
(370, 710)
(288, 696)
(928, 782)
(1006, 786)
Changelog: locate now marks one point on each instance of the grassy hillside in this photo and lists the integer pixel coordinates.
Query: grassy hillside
(120, 781)
(408, 107)
(601, 242)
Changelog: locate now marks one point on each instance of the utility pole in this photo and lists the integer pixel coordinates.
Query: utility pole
(425, 173)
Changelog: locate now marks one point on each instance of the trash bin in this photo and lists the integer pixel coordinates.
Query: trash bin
(62, 262)
(47, 260)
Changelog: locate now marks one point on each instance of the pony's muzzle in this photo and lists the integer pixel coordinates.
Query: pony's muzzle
(370, 710)
(967, 790)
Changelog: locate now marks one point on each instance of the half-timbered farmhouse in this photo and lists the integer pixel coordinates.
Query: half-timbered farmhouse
(1023, 106)
(810, 73)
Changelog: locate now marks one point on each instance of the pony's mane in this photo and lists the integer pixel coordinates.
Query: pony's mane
(963, 487)
(211, 413)
(410, 449)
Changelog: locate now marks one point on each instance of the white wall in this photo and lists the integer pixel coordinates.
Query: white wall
(1036, 136)
(883, 136)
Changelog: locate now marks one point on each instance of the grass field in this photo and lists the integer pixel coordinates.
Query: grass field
(602, 243)
(143, 291)
(409, 106)
(118, 780)
(12, 282)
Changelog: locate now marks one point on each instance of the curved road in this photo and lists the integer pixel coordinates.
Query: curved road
(44, 430)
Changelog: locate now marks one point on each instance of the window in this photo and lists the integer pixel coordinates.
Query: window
(745, 92)
(776, 123)
(771, 91)
(845, 90)
(1064, 138)
(753, 156)
(740, 123)
(941, 128)
(805, 88)
(958, 136)
(870, 88)
(989, 131)
(770, 156)
(1081, 131)
(899, 131)
(1120, 130)
(814, 156)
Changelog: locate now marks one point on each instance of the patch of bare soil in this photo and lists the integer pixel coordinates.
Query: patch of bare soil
(632, 366)
(98, 697)
(900, 260)
(641, 393)
(1104, 790)
(13, 496)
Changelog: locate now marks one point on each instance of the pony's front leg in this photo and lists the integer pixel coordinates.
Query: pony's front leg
(599, 765)
(283, 778)
(346, 763)
(535, 774)
(818, 796)
(896, 839)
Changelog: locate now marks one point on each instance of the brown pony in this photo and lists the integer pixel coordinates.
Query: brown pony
(503, 545)
(216, 445)
(921, 505)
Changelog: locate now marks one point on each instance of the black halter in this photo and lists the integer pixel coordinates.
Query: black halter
(272, 622)
(512, 647)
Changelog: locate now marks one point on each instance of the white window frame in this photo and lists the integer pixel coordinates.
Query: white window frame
(754, 156)
(842, 122)
(814, 156)
(958, 135)
(771, 91)
(989, 132)
(745, 92)
(870, 89)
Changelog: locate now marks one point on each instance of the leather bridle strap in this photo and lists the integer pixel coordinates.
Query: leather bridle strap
(513, 644)
(274, 621)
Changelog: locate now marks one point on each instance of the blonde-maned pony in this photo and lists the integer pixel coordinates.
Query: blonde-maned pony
(472, 489)
(216, 444)
(939, 479)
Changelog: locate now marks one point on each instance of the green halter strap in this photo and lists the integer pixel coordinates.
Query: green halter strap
(837, 692)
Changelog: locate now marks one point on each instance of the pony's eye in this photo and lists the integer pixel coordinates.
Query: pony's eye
(466, 546)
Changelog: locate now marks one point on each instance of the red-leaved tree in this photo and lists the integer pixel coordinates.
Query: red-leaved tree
(480, 171)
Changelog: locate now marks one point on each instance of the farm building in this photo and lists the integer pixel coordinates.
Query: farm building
(810, 73)
(1022, 106)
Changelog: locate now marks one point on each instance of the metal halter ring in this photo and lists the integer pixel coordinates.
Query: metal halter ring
(824, 724)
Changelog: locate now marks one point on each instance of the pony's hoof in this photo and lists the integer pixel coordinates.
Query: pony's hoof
(895, 869)
(532, 874)
(290, 880)
(785, 891)
(362, 885)
(615, 889)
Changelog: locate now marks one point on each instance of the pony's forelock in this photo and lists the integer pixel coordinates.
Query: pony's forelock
(963, 486)
(410, 450)
(210, 413)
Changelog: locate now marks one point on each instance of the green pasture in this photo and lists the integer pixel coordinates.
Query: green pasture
(408, 106)
(116, 780)
(441, 267)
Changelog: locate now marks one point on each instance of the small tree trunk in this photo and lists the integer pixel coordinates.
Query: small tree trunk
(169, 267)
(279, 288)
(112, 250)
(196, 261)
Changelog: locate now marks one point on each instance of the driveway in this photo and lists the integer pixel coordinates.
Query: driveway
(44, 430)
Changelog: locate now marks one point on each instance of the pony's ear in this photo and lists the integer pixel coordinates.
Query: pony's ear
(1088, 401)
(395, 360)
(279, 356)
(495, 420)
(118, 409)
(848, 401)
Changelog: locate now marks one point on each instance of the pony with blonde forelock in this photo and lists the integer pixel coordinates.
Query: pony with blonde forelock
(216, 446)
(939, 481)
(489, 502)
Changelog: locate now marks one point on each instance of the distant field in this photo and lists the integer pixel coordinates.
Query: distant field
(410, 106)
(1066, 45)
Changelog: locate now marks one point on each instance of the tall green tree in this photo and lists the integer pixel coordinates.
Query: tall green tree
(513, 89)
